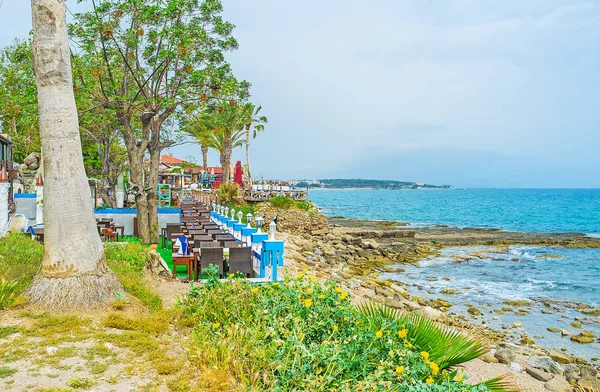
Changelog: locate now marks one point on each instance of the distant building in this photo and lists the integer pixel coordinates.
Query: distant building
(179, 172)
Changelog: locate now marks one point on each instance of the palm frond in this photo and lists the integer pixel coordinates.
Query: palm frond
(446, 346)
(500, 384)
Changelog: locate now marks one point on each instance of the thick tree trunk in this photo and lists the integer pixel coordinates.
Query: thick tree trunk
(226, 160)
(136, 175)
(152, 195)
(204, 157)
(74, 272)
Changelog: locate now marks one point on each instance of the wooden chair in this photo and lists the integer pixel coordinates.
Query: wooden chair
(210, 256)
(240, 261)
(171, 229)
(187, 260)
(230, 244)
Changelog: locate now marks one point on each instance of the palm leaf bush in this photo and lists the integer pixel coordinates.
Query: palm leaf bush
(301, 335)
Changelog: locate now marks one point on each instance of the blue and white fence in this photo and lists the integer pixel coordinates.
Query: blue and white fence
(267, 254)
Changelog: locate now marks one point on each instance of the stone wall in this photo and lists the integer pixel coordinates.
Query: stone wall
(295, 221)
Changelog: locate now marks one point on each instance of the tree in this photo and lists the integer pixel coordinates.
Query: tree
(250, 116)
(74, 272)
(152, 58)
(18, 99)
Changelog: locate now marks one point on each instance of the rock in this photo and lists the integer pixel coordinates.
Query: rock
(373, 245)
(572, 373)
(560, 357)
(588, 334)
(576, 324)
(383, 290)
(588, 372)
(553, 329)
(32, 161)
(582, 339)
(517, 324)
(527, 341)
(558, 384)
(474, 311)
(546, 364)
(515, 367)
(505, 355)
(538, 374)
(449, 291)
(588, 385)
(431, 313)
(489, 358)
(564, 333)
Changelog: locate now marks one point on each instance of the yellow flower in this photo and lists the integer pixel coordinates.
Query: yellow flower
(357, 322)
(402, 334)
(338, 290)
(312, 277)
(378, 334)
(434, 368)
(321, 296)
(399, 369)
(300, 276)
(335, 327)
(254, 289)
(343, 295)
(425, 355)
(408, 344)
(345, 318)
(429, 380)
(231, 276)
(341, 308)
(305, 270)
(308, 302)
(216, 325)
(323, 342)
(459, 378)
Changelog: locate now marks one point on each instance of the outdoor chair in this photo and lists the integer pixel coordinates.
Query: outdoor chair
(202, 238)
(210, 256)
(171, 228)
(240, 261)
(223, 237)
(230, 244)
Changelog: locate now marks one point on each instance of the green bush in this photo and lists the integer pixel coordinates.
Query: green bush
(301, 335)
(229, 193)
(286, 203)
(128, 263)
(20, 260)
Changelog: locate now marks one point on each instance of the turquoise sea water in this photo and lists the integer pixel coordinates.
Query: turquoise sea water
(496, 275)
(536, 210)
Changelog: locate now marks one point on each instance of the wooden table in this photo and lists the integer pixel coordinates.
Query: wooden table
(187, 260)
(121, 229)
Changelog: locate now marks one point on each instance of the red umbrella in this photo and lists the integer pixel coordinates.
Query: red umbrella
(237, 177)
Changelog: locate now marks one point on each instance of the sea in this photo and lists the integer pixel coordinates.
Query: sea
(486, 277)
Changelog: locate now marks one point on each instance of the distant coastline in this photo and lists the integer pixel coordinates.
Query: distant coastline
(359, 184)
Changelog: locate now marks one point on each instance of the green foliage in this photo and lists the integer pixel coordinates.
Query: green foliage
(229, 193)
(81, 383)
(20, 260)
(18, 99)
(128, 262)
(446, 347)
(302, 335)
(286, 203)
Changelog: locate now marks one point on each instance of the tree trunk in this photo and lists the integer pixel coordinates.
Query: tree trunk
(136, 175)
(249, 179)
(204, 157)
(226, 160)
(152, 194)
(74, 272)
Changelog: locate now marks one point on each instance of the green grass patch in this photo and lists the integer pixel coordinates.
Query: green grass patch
(7, 331)
(20, 260)
(128, 263)
(6, 371)
(81, 383)
(287, 203)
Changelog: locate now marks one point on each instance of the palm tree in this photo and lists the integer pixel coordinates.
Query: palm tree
(250, 116)
(74, 272)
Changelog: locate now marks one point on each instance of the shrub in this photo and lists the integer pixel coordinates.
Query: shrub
(128, 263)
(20, 260)
(229, 193)
(301, 335)
(286, 203)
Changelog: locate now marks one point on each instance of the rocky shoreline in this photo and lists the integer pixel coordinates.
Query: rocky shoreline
(359, 253)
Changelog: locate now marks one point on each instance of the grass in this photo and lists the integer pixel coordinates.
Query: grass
(20, 260)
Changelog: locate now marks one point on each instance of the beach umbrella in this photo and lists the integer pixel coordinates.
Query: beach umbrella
(237, 178)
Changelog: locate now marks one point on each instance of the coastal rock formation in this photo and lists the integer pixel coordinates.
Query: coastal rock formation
(539, 374)
(560, 357)
(546, 364)
(505, 355)
(558, 384)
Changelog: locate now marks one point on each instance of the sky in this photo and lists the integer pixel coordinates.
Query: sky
(472, 93)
